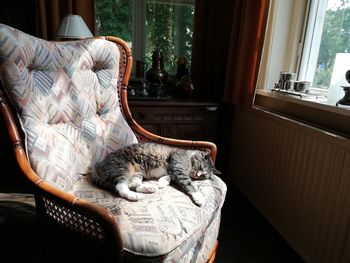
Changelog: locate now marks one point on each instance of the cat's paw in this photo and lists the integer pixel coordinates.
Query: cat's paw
(147, 188)
(123, 190)
(163, 181)
(198, 198)
(132, 196)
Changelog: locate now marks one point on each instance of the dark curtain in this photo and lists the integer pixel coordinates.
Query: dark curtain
(19, 14)
(51, 12)
(211, 37)
(227, 46)
(245, 52)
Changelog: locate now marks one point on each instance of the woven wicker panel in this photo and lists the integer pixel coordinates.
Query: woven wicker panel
(74, 221)
(122, 67)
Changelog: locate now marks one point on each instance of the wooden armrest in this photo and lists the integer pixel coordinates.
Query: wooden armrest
(144, 135)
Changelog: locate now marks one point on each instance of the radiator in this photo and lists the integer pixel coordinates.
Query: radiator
(299, 178)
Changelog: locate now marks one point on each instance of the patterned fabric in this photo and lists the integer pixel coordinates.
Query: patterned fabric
(66, 95)
(166, 226)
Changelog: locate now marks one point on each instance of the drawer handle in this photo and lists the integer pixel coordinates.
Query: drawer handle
(213, 108)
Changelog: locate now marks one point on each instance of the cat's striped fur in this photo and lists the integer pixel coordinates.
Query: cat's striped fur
(124, 170)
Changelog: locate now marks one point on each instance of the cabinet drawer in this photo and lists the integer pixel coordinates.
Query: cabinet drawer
(171, 114)
(188, 122)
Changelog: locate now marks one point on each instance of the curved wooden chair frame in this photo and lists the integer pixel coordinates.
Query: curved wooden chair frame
(62, 214)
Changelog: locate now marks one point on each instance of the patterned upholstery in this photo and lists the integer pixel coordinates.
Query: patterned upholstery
(166, 224)
(66, 97)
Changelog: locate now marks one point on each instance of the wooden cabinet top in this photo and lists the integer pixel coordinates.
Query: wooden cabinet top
(172, 103)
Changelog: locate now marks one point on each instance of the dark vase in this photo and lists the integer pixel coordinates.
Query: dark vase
(156, 74)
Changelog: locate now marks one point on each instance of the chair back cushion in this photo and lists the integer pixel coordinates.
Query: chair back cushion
(66, 97)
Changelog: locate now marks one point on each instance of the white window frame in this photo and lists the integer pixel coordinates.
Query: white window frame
(285, 41)
(292, 44)
(312, 41)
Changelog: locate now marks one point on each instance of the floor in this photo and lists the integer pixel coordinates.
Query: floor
(245, 236)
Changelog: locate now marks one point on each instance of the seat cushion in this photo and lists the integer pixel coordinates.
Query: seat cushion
(66, 96)
(165, 224)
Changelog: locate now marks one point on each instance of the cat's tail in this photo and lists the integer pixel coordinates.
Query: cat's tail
(94, 174)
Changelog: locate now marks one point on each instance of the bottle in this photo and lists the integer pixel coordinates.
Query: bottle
(156, 74)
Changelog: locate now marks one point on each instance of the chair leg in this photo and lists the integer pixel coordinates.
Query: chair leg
(213, 252)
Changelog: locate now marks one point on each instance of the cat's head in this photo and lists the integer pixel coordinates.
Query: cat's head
(202, 166)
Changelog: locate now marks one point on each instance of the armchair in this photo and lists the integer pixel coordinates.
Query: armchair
(65, 108)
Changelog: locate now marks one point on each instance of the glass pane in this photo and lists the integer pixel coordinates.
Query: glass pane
(335, 44)
(169, 27)
(114, 18)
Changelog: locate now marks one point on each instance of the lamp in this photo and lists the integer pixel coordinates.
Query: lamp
(73, 27)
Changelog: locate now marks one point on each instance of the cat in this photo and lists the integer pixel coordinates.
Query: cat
(123, 170)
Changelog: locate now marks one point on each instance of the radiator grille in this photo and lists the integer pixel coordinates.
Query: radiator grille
(299, 178)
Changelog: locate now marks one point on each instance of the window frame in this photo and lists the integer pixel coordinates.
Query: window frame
(288, 56)
(139, 29)
(313, 35)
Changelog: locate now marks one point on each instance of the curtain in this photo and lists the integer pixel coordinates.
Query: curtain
(227, 46)
(210, 44)
(245, 52)
(226, 51)
(51, 12)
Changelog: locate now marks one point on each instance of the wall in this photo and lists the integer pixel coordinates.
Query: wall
(299, 178)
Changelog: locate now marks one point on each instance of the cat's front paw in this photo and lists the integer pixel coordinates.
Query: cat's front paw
(164, 181)
(198, 198)
(147, 188)
(132, 196)
(123, 190)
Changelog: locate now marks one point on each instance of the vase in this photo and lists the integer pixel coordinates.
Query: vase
(156, 74)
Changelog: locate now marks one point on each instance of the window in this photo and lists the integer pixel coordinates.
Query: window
(312, 39)
(326, 53)
(114, 17)
(150, 24)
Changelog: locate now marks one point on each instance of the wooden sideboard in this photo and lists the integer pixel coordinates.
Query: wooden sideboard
(178, 118)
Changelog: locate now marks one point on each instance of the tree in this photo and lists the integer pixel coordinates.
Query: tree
(169, 27)
(335, 39)
(113, 18)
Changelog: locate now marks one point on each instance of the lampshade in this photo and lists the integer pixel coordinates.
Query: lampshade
(73, 26)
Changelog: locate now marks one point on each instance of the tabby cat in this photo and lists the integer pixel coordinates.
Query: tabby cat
(123, 171)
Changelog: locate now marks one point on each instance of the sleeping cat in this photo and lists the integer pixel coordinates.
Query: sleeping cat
(123, 171)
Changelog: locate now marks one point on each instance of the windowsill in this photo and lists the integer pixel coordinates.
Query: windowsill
(311, 110)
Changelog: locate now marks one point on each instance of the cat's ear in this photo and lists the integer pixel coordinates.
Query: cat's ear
(215, 171)
(206, 155)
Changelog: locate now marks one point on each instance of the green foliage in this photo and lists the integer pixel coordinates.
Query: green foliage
(114, 18)
(335, 39)
(169, 27)
(322, 77)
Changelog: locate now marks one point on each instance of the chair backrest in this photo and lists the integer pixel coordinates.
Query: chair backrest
(66, 94)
